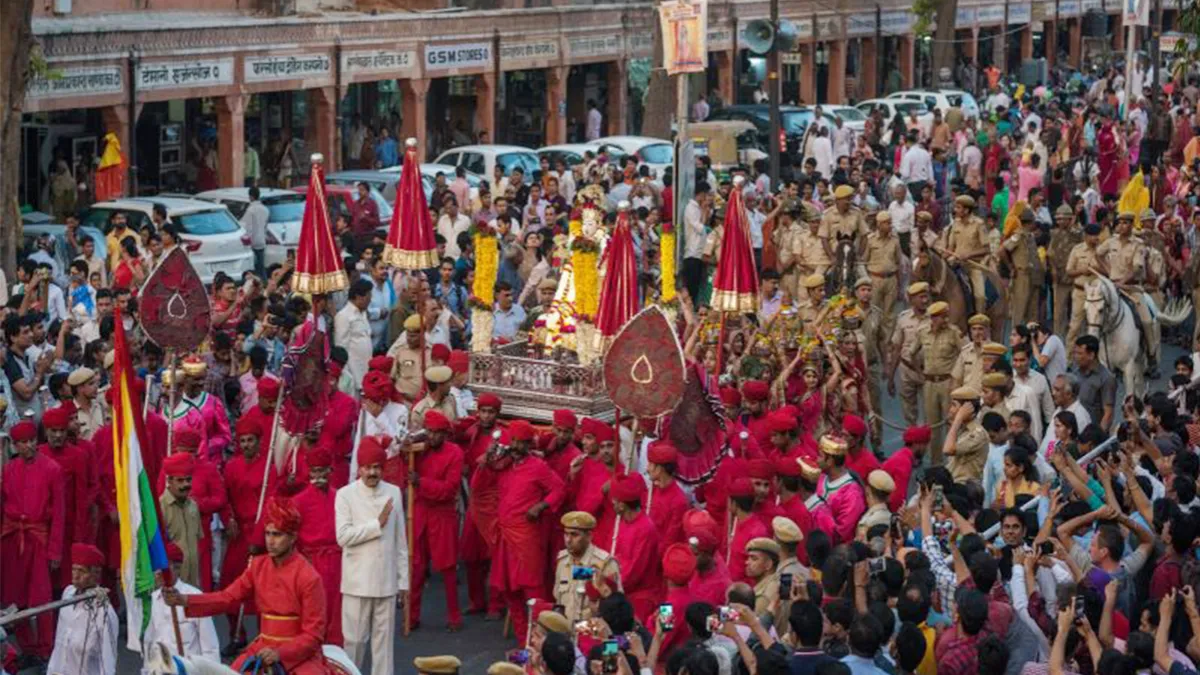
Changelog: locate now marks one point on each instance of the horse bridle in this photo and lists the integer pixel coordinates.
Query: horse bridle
(1102, 330)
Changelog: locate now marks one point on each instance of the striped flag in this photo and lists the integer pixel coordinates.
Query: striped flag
(143, 545)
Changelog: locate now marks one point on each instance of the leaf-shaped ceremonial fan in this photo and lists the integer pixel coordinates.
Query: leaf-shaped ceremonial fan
(644, 367)
(172, 305)
(697, 429)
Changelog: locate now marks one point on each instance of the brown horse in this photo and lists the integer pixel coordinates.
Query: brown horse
(929, 266)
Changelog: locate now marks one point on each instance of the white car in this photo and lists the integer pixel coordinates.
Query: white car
(212, 237)
(942, 99)
(285, 213)
(653, 152)
(853, 118)
(572, 153)
(481, 159)
(890, 106)
(429, 172)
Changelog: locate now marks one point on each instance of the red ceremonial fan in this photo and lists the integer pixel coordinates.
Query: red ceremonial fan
(735, 284)
(644, 368)
(697, 429)
(173, 308)
(619, 296)
(410, 242)
(319, 268)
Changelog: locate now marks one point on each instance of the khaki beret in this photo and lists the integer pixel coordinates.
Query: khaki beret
(979, 320)
(964, 394)
(578, 520)
(1064, 211)
(1127, 215)
(764, 545)
(965, 200)
(939, 307)
(786, 530)
(831, 445)
(1026, 215)
(813, 281)
(438, 665)
(925, 216)
(438, 374)
(883, 217)
(554, 622)
(843, 192)
(413, 322)
(863, 281)
(918, 287)
(880, 480)
(80, 376)
(994, 349)
(549, 283)
(505, 668)
(994, 380)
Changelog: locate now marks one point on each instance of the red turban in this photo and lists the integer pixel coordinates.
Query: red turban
(179, 464)
(283, 515)
(564, 418)
(459, 361)
(730, 396)
(335, 370)
(440, 352)
(86, 554)
(662, 452)
(762, 469)
(372, 450)
(382, 364)
(486, 400)
(436, 421)
(186, 438)
(756, 390)
(23, 431)
(605, 434)
(741, 487)
(249, 426)
(377, 386)
(921, 434)
(318, 456)
(629, 489)
(854, 426)
(699, 525)
(779, 422)
(590, 426)
(174, 553)
(56, 418)
(521, 430)
(784, 466)
(268, 387)
(679, 564)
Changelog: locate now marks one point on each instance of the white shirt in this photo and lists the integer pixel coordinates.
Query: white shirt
(917, 165)
(1022, 398)
(757, 218)
(593, 124)
(464, 401)
(199, 635)
(86, 639)
(693, 234)
(1040, 386)
(450, 229)
(1057, 365)
(903, 214)
(374, 558)
(843, 140)
(352, 331)
(822, 152)
(254, 220)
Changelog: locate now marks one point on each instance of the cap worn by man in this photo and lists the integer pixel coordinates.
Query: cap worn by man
(994, 380)
(994, 349)
(86, 555)
(756, 390)
(679, 564)
(831, 445)
(488, 400)
(924, 217)
(662, 452)
(763, 545)
(554, 622)
(760, 469)
(809, 472)
(521, 430)
(439, 665)
(863, 281)
(80, 376)
(918, 434)
(883, 217)
(578, 520)
(881, 480)
(854, 425)
(436, 421)
(179, 464)
(813, 281)
(629, 489)
(372, 450)
(938, 308)
(965, 200)
(56, 418)
(564, 419)
(964, 394)
(502, 668)
(413, 323)
(918, 288)
(843, 192)
(438, 374)
(785, 530)
(979, 320)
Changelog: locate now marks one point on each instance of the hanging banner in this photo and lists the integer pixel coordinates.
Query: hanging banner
(685, 36)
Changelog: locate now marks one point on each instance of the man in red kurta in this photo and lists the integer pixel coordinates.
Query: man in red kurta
(715, 493)
(31, 535)
(243, 483)
(79, 487)
(437, 480)
(903, 462)
(591, 475)
(263, 412)
(476, 553)
(667, 501)
(208, 491)
(791, 502)
(678, 564)
(859, 458)
(528, 488)
(337, 434)
(637, 552)
(559, 451)
(747, 525)
(317, 540)
(711, 579)
(757, 421)
(287, 590)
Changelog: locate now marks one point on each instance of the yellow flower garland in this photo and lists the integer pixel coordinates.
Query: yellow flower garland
(487, 264)
(587, 283)
(667, 261)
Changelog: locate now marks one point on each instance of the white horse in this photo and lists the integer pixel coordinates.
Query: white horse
(1114, 325)
(160, 661)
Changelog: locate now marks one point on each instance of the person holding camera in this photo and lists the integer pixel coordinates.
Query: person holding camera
(762, 563)
(578, 563)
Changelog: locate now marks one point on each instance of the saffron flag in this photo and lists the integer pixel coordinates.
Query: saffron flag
(143, 546)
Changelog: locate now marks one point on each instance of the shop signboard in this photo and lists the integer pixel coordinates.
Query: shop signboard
(590, 46)
(533, 53)
(964, 17)
(720, 38)
(77, 82)
(861, 24)
(156, 75)
(401, 63)
(289, 67)
(448, 59)
(1021, 13)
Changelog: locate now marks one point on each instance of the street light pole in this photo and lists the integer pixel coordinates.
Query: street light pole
(773, 97)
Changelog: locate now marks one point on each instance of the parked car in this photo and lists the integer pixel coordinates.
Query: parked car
(654, 152)
(36, 218)
(383, 180)
(572, 153)
(942, 99)
(213, 238)
(852, 118)
(340, 197)
(793, 121)
(285, 213)
(481, 159)
(429, 172)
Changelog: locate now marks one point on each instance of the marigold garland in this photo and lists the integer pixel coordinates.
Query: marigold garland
(487, 265)
(587, 283)
(666, 253)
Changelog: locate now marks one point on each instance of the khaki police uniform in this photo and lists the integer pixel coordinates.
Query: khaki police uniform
(789, 273)
(967, 239)
(970, 452)
(873, 336)
(406, 370)
(938, 351)
(905, 335)
(882, 260)
(1080, 263)
(416, 419)
(1027, 275)
(968, 367)
(1126, 258)
(567, 591)
(1062, 243)
(765, 591)
(810, 253)
(836, 224)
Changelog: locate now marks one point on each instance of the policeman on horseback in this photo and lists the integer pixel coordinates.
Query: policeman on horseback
(1125, 257)
(967, 240)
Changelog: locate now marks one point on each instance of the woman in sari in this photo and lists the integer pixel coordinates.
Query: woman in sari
(1108, 146)
(129, 272)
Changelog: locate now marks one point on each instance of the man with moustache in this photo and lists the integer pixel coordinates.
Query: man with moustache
(317, 540)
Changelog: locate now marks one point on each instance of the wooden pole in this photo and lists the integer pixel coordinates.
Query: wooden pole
(262, 492)
(720, 346)
(408, 519)
(612, 481)
(172, 361)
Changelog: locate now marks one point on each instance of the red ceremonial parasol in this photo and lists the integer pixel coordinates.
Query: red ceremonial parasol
(319, 268)
(735, 284)
(410, 244)
(619, 295)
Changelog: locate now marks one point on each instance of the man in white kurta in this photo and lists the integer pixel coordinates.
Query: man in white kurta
(199, 634)
(86, 639)
(381, 416)
(352, 330)
(370, 529)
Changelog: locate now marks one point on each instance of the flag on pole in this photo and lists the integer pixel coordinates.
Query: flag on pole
(143, 546)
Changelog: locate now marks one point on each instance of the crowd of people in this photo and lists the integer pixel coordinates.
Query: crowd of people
(1032, 521)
